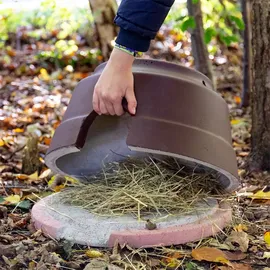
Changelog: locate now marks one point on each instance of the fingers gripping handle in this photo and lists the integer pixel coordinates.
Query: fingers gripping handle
(125, 106)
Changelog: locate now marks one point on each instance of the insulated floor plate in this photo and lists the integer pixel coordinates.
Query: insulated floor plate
(72, 223)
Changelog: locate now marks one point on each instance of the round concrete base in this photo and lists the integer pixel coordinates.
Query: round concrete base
(72, 223)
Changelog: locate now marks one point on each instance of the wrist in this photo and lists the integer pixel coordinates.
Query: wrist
(120, 59)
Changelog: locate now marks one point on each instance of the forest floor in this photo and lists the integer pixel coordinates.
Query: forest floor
(34, 93)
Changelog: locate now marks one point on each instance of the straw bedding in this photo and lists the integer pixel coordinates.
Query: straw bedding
(143, 187)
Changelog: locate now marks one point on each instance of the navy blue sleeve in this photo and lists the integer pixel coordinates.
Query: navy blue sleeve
(139, 21)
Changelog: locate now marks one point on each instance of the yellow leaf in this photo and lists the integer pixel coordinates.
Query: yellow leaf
(57, 182)
(2, 143)
(236, 121)
(266, 237)
(261, 195)
(32, 265)
(33, 176)
(93, 253)
(222, 260)
(59, 188)
(13, 199)
(18, 130)
(210, 254)
(51, 181)
(240, 228)
(44, 74)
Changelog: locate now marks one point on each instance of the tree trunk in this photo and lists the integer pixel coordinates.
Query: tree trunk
(260, 134)
(199, 48)
(247, 53)
(104, 12)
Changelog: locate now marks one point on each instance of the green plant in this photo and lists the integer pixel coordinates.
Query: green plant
(48, 18)
(222, 20)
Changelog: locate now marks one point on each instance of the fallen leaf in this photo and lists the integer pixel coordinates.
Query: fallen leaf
(93, 253)
(3, 211)
(32, 265)
(44, 75)
(209, 254)
(177, 255)
(25, 204)
(235, 256)
(152, 262)
(18, 130)
(97, 264)
(22, 176)
(266, 237)
(261, 195)
(37, 234)
(34, 197)
(17, 191)
(21, 223)
(11, 263)
(234, 266)
(261, 201)
(57, 182)
(170, 262)
(215, 243)
(2, 200)
(3, 168)
(253, 249)
(13, 199)
(243, 154)
(2, 143)
(33, 176)
(193, 266)
(8, 250)
(266, 255)
(45, 174)
(47, 140)
(240, 228)
(237, 99)
(59, 188)
(115, 252)
(6, 238)
(236, 121)
(240, 238)
(65, 249)
(10, 51)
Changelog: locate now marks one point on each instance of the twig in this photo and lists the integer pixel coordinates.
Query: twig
(130, 262)
(16, 151)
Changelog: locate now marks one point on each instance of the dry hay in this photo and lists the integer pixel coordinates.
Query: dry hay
(141, 187)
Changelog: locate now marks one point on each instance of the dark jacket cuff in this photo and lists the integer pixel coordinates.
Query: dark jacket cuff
(133, 40)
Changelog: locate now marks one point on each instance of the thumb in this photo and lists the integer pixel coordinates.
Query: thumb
(131, 100)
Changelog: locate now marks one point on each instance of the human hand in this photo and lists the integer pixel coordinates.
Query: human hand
(115, 83)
